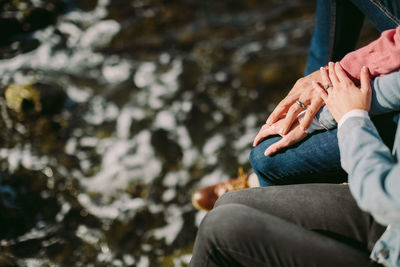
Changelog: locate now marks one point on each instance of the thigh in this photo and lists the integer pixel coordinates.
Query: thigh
(239, 235)
(327, 208)
(384, 14)
(315, 159)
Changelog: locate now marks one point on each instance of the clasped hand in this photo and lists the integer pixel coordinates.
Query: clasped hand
(340, 97)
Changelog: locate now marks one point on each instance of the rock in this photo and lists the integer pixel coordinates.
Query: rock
(23, 98)
(37, 98)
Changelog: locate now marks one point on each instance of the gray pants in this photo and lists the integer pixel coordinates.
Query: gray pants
(293, 225)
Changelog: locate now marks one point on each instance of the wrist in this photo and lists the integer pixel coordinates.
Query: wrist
(353, 113)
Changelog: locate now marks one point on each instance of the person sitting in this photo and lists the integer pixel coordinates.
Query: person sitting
(306, 155)
(320, 224)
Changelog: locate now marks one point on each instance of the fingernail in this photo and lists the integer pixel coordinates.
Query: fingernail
(364, 69)
(313, 83)
(321, 68)
(266, 153)
(268, 122)
(272, 126)
(280, 130)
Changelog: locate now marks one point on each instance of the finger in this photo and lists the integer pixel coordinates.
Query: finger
(262, 134)
(291, 116)
(290, 139)
(341, 74)
(282, 107)
(323, 93)
(365, 80)
(310, 113)
(332, 74)
(275, 147)
(324, 76)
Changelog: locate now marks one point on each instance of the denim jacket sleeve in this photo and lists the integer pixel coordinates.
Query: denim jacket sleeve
(374, 175)
(385, 99)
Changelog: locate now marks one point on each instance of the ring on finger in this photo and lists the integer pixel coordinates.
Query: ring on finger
(327, 85)
(304, 107)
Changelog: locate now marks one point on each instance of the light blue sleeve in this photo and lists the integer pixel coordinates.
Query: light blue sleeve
(374, 174)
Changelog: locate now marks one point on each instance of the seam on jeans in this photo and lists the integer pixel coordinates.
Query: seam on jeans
(242, 254)
(386, 12)
(332, 31)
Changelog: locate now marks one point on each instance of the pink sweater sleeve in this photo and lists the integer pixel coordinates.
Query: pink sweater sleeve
(382, 56)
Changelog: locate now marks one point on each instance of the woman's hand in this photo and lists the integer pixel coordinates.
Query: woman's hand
(296, 134)
(307, 94)
(344, 96)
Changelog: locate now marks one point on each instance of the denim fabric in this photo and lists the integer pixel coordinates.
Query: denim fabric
(339, 23)
(315, 159)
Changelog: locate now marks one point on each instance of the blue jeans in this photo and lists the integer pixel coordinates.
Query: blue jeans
(317, 158)
(339, 23)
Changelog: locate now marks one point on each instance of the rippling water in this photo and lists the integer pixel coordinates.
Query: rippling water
(162, 97)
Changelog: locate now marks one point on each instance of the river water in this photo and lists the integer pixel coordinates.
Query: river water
(153, 99)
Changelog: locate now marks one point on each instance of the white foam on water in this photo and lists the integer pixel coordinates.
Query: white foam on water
(100, 34)
(144, 75)
(90, 236)
(157, 87)
(244, 52)
(70, 146)
(100, 111)
(114, 209)
(211, 148)
(116, 70)
(168, 195)
(246, 140)
(278, 41)
(21, 155)
(88, 141)
(173, 215)
(64, 210)
(212, 178)
(173, 179)
(128, 259)
(79, 95)
(213, 144)
(72, 31)
(124, 123)
(165, 119)
(143, 262)
(124, 161)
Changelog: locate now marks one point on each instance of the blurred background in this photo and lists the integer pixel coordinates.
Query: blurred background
(114, 111)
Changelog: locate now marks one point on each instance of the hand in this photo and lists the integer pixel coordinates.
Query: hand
(296, 134)
(307, 94)
(345, 95)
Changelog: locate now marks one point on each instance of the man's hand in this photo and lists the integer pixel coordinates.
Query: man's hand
(307, 94)
(296, 134)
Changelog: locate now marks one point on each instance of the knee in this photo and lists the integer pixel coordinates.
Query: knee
(227, 198)
(257, 158)
(217, 224)
(268, 169)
